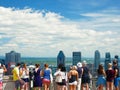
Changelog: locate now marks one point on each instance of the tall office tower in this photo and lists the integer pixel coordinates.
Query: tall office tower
(107, 59)
(96, 60)
(76, 57)
(61, 58)
(12, 57)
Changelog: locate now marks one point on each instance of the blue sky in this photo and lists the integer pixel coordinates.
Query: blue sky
(41, 28)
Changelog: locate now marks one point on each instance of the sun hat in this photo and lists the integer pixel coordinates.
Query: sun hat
(79, 64)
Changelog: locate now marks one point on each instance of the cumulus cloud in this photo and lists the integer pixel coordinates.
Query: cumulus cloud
(44, 33)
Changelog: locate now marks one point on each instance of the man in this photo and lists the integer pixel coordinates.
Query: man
(16, 76)
(2, 70)
(117, 77)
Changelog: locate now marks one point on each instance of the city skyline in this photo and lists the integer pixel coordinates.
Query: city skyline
(42, 28)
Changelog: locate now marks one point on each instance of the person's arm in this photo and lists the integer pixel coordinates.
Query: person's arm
(4, 69)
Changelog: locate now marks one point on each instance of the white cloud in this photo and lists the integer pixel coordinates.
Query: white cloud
(40, 33)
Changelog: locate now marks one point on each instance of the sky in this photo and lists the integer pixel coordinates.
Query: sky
(41, 28)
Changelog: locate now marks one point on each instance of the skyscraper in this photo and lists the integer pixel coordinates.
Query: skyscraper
(96, 60)
(107, 59)
(12, 57)
(61, 58)
(76, 57)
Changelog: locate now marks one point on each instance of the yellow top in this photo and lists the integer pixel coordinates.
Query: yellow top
(15, 73)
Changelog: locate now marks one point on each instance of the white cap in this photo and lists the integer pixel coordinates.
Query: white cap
(79, 64)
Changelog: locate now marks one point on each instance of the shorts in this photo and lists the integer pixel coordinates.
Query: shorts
(116, 81)
(25, 79)
(46, 81)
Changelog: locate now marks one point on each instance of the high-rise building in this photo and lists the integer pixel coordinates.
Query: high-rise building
(12, 57)
(107, 59)
(76, 57)
(96, 60)
(61, 58)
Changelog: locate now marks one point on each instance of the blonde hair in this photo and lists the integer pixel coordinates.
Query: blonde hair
(109, 65)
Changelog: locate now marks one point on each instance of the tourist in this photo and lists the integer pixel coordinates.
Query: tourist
(57, 76)
(80, 72)
(24, 73)
(62, 78)
(101, 81)
(2, 71)
(85, 76)
(37, 81)
(73, 78)
(110, 74)
(16, 77)
(46, 77)
(117, 77)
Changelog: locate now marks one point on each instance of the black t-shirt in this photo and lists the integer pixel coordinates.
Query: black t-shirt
(116, 68)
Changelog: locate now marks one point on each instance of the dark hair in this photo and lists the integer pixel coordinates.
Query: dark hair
(60, 66)
(46, 65)
(18, 64)
(37, 65)
(63, 69)
(114, 61)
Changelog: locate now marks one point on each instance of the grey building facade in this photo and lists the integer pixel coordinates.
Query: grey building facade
(12, 57)
(96, 59)
(107, 59)
(76, 57)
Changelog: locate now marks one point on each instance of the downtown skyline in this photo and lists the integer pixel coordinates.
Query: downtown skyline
(41, 28)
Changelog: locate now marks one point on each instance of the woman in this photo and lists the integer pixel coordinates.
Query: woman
(101, 81)
(57, 76)
(110, 74)
(46, 77)
(73, 78)
(37, 82)
(63, 74)
(24, 73)
(85, 77)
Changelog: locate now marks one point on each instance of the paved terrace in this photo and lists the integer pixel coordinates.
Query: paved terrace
(8, 84)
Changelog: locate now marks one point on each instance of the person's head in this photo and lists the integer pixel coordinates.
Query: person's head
(24, 65)
(18, 64)
(79, 64)
(100, 67)
(46, 65)
(74, 67)
(115, 62)
(84, 63)
(109, 65)
(37, 65)
(60, 66)
(63, 69)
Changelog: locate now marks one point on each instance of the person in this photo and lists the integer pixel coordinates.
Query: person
(37, 81)
(110, 74)
(80, 72)
(57, 76)
(101, 81)
(85, 76)
(63, 74)
(2, 71)
(73, 78)
(46, 77)
(16, 77)
(117, 77)
(24, 73)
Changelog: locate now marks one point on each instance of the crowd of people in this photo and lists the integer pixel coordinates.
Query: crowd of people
(77, 78)
(109, 78)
